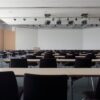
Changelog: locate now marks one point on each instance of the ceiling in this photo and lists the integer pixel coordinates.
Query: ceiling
(49, 3)
(24, 12)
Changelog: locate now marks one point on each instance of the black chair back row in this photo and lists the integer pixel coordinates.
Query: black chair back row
(36, 87)
(49, 56)
(44, 63)
(91, 56)
(48, 63)
(83, 63)
(19, 63)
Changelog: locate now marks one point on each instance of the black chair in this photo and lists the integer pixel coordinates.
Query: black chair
(48, 63)
(31, 57)
(19, 63)
(91, 56)
(45, 87)
(81, 63)
(8, 86)
(72, 56)
(13, 54)
(93, 95)
(4, 55)
(49, 56)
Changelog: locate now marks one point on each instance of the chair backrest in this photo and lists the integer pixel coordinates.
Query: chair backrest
(19, 63)
(4, 55)
(45, 87)
(48, 63)
(70, 56)
(49, 56)
(8, 86)
(31, 57)
(91, 56)
(13, 53)
(83, 63)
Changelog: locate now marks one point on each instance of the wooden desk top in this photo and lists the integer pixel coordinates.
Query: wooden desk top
(55, 56)
(81, 56)
(55, 71)
(98, 56)
(58, 60)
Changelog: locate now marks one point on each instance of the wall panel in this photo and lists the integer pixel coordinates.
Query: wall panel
(1, 39)
(9, 40)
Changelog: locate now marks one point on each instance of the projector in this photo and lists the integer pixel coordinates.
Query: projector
(85, 15)
(47, 15)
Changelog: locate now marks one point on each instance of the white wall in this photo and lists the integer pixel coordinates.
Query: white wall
(26, 38)
(60, 38)
(91, 38)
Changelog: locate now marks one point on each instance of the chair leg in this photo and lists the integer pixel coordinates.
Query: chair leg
(92, 82)
(71, 87)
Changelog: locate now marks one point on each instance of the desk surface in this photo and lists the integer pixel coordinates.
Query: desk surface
(55, 56)
(55, 71)
(58, 60)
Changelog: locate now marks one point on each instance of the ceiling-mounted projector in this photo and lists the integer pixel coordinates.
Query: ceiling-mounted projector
(47, 22)
(84, 22)
(84, 15)
(71, 22)
(58, 22)
(47, 15)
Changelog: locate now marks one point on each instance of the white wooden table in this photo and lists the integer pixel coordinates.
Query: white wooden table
(55, 71)
(58, 60)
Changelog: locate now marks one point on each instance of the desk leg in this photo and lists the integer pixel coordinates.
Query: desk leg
(71, 88)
